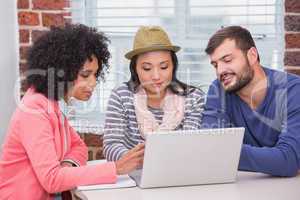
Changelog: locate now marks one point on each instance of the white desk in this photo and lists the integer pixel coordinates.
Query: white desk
(250, 186)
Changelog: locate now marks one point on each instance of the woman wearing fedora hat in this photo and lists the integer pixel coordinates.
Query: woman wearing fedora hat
(153, 99)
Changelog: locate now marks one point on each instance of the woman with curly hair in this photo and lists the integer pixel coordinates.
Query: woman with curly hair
(40, 145)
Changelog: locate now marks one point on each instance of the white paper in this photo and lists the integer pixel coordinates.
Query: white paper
(123, 181)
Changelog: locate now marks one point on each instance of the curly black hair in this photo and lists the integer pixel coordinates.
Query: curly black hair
(56, 57)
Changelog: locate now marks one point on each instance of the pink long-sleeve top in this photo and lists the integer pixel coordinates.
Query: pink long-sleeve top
(37, 141)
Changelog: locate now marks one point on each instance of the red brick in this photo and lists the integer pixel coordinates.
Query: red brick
(67, 4)
(293, 70)
(292, 23)
(93, 140)
(50, 19)
(23, 52)
(49, 4)
(292, 58)
(292, 40)
(23, 4)
(67, 17)
(90, 155)
(24, 36)
(292, 6)
(67, 14)
(35, 34)
(23, 68)
(24, 87)
(68, 21)
(28, 18)
(99, 154)
(95, 153)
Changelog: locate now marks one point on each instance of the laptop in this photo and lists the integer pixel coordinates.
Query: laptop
(180, 158)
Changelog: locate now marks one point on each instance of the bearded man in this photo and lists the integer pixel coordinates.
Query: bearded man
(264, 101)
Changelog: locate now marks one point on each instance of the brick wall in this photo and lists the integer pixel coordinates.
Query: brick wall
(94, 143)
(35, 17)
(292, 36)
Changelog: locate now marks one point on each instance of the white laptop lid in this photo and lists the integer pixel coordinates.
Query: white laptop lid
(177, 158)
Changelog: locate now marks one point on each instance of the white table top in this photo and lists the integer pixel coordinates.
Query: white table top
(249, 186)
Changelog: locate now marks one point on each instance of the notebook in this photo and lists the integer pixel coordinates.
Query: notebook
(123, 181)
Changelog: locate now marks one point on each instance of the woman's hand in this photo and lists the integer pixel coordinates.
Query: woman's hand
(132, 160)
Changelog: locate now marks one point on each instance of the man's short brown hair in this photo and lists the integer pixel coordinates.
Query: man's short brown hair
(240, 35)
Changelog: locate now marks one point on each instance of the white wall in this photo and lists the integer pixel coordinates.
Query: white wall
(8, 62)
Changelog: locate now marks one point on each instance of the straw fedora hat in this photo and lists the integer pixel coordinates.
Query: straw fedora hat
(150, 38)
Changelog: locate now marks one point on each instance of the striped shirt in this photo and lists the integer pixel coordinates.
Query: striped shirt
(121, 131)
(158, 114)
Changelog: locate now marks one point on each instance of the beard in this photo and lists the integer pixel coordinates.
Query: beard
(243, 79)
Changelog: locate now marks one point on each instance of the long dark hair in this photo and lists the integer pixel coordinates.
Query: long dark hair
(176, 86)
